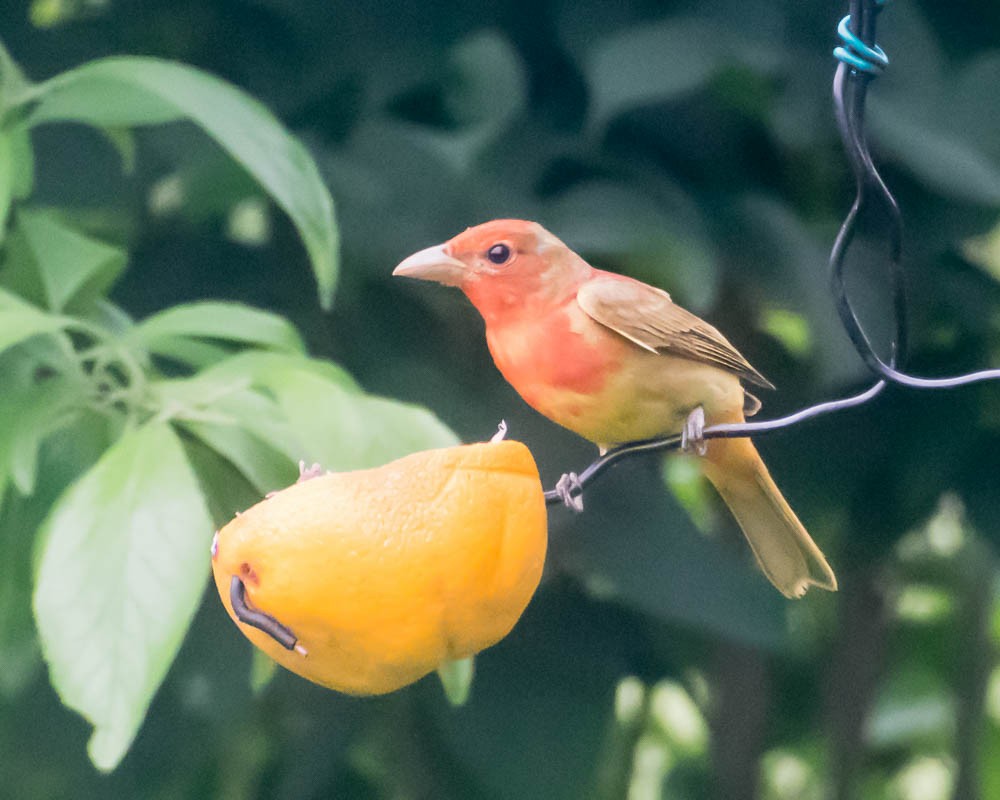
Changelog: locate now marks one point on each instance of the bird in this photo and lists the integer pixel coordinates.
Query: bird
(616, 360)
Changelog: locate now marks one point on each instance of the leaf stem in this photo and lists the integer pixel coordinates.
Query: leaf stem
(105, 356)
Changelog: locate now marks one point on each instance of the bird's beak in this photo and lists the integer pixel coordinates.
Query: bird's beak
(433, 264)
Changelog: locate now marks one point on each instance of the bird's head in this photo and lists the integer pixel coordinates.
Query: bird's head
(501, 265)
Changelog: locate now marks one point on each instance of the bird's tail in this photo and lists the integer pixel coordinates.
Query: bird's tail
(785, 551)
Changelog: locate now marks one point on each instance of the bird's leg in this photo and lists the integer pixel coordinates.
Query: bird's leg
(693, 433)
(569, 484)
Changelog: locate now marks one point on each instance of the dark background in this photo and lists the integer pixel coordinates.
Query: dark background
(693, 146)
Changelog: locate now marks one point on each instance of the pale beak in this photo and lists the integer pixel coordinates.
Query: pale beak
(433, 264)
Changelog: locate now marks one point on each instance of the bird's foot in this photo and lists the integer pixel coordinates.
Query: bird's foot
(570, 491)
(693, 433)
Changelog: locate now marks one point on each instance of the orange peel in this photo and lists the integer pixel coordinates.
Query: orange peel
(382, 575)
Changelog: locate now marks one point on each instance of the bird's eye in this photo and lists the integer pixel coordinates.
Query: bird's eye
(499, 254)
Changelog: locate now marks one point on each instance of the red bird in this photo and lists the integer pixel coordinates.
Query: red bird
(616, 360)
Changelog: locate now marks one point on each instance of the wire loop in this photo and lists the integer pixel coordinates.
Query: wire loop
(860, 61)
(855, 53)
(850, 89)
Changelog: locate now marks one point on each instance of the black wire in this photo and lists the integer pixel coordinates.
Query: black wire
(850, 90)
(724, 431)
(258, 619)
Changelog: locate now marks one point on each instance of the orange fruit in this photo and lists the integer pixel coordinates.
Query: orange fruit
(384, 574)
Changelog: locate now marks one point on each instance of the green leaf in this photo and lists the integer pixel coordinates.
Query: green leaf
(262, 369)
(789, 328)
(483, 89)
(28, 414)
(18, 646)
(223, 321)
(225, 393)
(9, 301)
(65, 454)
(691, 489)
(265, 412)
(6, 181)
(227, 493)
(16, 171)
(56, 265)
(663, 61)
(343, 429)
(23, 161)
(130, 91)
(984, 252)
(456, 679)
(201, 396)
(267, 468)
(976, 120)
(486, 82)
(13, 83)
(18, 324)
(649, 64)
(121, 570)
(192, 352)
(944, 160)
(262, 670)
(123, 141)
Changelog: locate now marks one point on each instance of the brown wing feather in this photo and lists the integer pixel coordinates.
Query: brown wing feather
(647, 316)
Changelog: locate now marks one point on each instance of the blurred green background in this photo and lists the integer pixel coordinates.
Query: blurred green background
(691, 145)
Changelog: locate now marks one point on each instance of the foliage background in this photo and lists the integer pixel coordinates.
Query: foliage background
(691, 145)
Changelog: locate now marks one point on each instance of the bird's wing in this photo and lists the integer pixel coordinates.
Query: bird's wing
(647, 316)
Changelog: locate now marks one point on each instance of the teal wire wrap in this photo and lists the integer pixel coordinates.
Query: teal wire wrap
(855, 53)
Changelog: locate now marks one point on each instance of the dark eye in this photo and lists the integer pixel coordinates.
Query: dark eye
(498, 254)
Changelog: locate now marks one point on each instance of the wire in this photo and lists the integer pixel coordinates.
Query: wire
(861, 60)
(855, 53)
(258, 619)
(725, 431)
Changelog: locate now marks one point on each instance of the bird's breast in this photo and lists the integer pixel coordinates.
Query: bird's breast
(595, 382)
(555, 352)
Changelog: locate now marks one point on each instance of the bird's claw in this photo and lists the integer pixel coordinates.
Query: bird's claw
(693, 433)
(570, 491)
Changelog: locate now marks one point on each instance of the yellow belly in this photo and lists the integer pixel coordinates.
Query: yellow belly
(648, 396)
